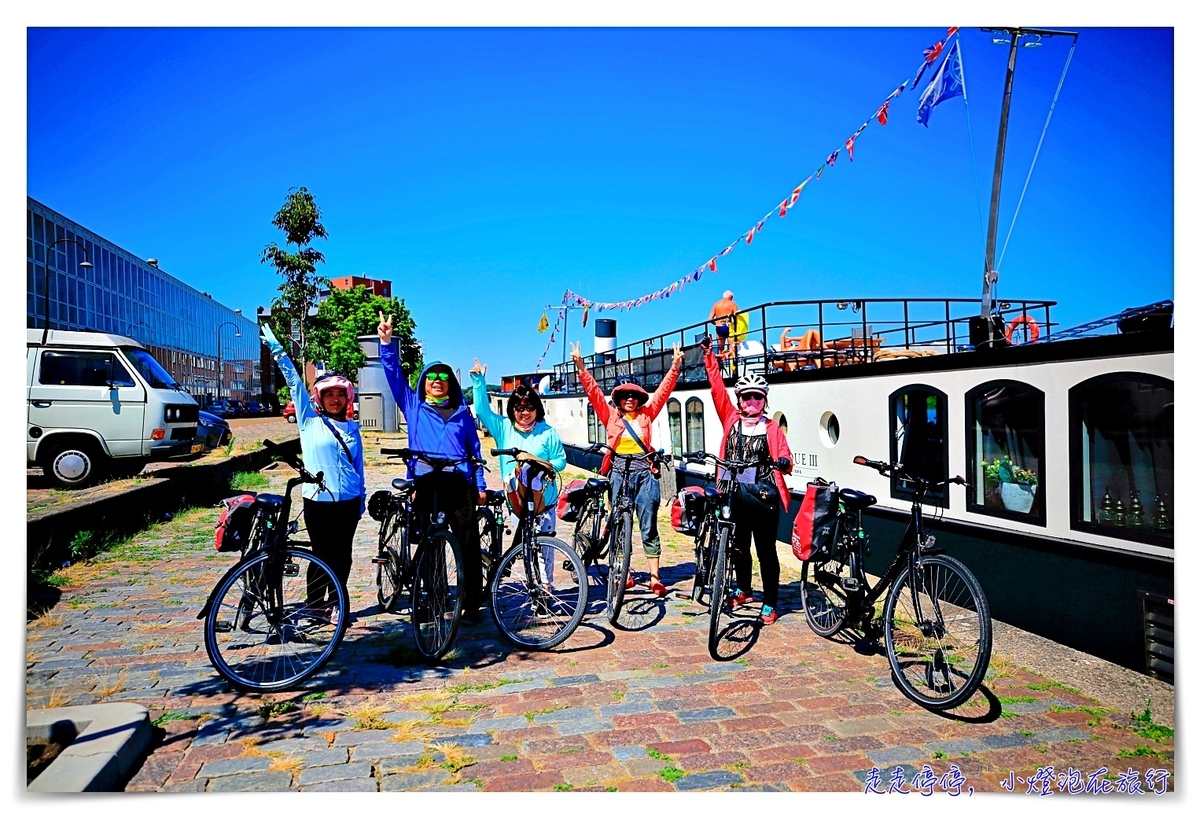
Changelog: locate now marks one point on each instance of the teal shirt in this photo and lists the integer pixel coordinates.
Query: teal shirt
(542, 442)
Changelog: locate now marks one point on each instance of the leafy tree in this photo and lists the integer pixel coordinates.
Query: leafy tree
(300, 221)
(347, 314)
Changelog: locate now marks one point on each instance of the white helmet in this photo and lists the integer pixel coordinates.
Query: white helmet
(751, 382)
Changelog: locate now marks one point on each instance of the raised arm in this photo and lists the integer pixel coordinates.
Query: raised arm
(716, 383)
(659, 399)
(483, 410)
(305, 411)
(401, 391)
(595, 394)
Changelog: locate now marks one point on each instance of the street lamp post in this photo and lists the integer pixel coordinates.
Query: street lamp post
(238, 334)
(86, 264)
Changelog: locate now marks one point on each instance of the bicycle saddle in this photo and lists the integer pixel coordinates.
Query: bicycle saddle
(492, 497)
(856, 500)
(598, 483)
(400, 484)
(269, 500)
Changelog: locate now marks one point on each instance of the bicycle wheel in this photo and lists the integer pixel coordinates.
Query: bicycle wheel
(489, 542)
(389, 575)
(270, 629)
(437, 594)
(938, 631)
(537, 603)
(719, 608)
(619, 552)
(825, 599)
(703, 558)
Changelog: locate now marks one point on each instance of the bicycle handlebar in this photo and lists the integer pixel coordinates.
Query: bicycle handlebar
(596, 448)
(734, 466)
(437, 461)
(898, 470)
(295, 462)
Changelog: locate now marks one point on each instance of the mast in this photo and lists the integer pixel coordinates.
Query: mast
(990, 274)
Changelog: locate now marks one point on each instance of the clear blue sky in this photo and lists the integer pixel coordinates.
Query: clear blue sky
(485, 171)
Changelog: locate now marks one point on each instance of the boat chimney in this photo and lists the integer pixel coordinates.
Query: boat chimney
(606, 339)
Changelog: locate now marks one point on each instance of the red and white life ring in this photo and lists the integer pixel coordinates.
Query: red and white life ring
(1031, 328)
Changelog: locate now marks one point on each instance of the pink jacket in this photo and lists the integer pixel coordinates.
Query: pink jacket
(777, 443)
(614, 426)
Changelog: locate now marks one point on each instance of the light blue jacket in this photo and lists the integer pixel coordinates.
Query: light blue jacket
(344, 477)
(542, 441)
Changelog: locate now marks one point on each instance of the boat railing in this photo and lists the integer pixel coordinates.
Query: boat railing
(788, 336)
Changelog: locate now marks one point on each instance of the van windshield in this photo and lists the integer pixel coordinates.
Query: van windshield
(150, 369)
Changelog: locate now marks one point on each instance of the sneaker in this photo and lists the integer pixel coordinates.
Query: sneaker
(769, 615)
(741, 598)
(657, 588)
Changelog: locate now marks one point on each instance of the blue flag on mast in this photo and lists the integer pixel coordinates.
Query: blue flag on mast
(946, 84)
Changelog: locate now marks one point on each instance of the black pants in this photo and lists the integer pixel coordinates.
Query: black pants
(331, 527)
(763, 525)
(456, 499)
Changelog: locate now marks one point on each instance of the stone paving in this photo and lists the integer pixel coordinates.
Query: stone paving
(642, 707)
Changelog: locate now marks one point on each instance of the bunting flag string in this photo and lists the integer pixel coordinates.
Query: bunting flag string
(929, 56)
(554, 331)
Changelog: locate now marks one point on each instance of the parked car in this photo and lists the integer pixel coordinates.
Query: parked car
(289, 412)
(99, 403)
(239, 409)
(212, 431)
(220, 408)
(254, 408)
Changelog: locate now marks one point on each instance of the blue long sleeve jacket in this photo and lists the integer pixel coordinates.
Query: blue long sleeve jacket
(344, 477)
(427, 430)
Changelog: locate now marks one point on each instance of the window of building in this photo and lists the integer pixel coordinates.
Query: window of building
(695, 425)
(918, 439)
(83, 369)
(1123, 457)
(675, 422)
(1006, 430)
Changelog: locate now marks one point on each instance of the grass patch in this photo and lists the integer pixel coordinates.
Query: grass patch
(563, 787)
(1140, 751)
(650, 751)
(455, 690)
(171, 715)
(411, 731)
(1016, 699)
(269, 709)
(456, 757)
(1145, 727)
(369, 717)
(939, 754)
(530, 715)
(671, 774)
(508, 758)
(248, 481)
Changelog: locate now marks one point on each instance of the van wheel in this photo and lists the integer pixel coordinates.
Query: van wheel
(72, 464)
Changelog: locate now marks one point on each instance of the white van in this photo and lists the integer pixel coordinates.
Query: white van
(100, 403)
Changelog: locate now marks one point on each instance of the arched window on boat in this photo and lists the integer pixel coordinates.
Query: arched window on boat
(675, 422)
(595, 433)
(1006, 434)
(695, 425)
(918, 439)
(1123, 457)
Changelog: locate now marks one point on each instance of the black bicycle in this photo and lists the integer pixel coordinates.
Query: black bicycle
(620, 530)
(936, 623)
(590, 538)
(436, 602)
(393, 561)
(489, 517)
(714, 544)
(539, 591)
(275, 618)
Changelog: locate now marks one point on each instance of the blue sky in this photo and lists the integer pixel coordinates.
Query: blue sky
(485, 171)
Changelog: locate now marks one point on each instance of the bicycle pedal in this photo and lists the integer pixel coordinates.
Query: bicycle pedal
(380, 560)
(850, 584)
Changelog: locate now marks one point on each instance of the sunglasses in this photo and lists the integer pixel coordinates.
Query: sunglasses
(755, 396)
(438, 376)
(525, 408)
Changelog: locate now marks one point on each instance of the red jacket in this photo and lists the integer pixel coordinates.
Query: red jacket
(777, 443)
(614, 425)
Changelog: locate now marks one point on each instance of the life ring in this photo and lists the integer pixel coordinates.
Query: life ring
(1031, 328)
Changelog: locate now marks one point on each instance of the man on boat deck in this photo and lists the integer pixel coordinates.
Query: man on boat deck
(722, 316)
(627, 422)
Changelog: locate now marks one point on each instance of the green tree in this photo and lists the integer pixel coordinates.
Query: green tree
(347, 314)
(300, 221)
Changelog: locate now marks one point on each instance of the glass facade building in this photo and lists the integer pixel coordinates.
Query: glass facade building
(183, 328)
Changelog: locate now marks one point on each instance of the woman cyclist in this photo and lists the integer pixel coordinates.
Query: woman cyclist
(627, 423)
(331, 444)
(439, 422)
(748, 435)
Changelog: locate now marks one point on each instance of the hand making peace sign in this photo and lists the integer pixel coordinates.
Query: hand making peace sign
(385, 329)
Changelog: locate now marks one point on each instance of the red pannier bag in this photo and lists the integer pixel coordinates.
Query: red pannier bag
(815, 530)
(233, 526)
(685, 509)
(568, 506)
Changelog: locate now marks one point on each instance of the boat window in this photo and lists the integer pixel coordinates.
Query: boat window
(675, 422)
(1006, 432)
(918, 439)
(781, 419)
(831, 430)
(1122, 457)
(695, 425)
(595, 433)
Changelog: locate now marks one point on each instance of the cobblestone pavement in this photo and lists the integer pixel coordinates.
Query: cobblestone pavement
(637, 708)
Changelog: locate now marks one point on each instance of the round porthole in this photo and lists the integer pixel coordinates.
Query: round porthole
(830, 430)
(781, 419)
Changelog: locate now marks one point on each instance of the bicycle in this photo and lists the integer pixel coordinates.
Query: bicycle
(278, 615)
(489, 517)
(590, 538)
(936, 622)
(714, 538)
(534, 606)
(620, 531)
(393, 562)
(436, 602)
